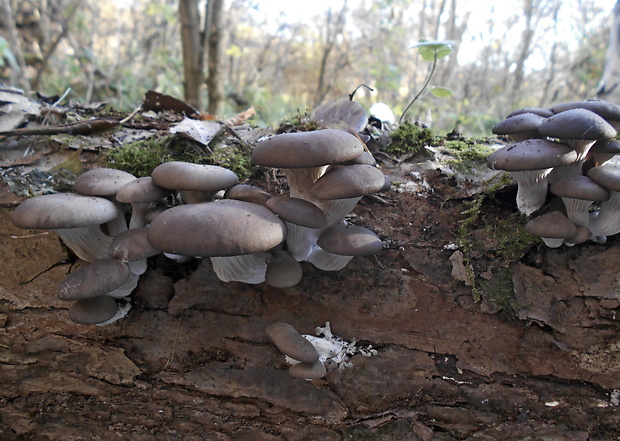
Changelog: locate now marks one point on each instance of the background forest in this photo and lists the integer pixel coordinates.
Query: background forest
(530, 53)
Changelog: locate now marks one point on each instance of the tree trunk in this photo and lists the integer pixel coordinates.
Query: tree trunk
(214, 78)
(609, 86)
(192, 50)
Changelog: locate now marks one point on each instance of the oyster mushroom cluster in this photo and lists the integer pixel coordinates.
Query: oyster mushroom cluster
(567, 155)
(114, 221)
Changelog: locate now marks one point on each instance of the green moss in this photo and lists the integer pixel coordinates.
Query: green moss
(140, 157)
(467, 154)
(410, 138)
(491, 244)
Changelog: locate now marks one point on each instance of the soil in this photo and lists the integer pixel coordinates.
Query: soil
(538, 358)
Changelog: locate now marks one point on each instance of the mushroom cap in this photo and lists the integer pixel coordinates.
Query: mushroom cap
(297, 211)
(141, 190)
(606, 146)
(102, 181)
(132, 245)
(579, 187)
(349, 182)
(291, 343)
(64, 210)
(607, 175)
(179, 175)
(341, 113)
(221, 228)
(605, 109)
(350, 240)
(93, 311)
(308, 149)
(536, 110)
(248, 193)
(519, 123)
(577, 124)
(531, 154)
(283, 271)
(553, 225)
(93, 280)
(308, 371)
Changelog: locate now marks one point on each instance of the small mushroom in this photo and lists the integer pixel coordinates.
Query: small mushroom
(283, 271)
(519, 127)
(297, 211)
(578, 194)
(308, 371)
(292, 343)
(108, 277)
(94, 311)
(195, 182)
(606, 222)
(248, 193)
(142, 194)
(552, 227)
(133, 247)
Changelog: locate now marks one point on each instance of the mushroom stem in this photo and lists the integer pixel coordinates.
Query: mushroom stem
(246, 268)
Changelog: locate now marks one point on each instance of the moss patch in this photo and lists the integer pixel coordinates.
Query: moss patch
(410, 138)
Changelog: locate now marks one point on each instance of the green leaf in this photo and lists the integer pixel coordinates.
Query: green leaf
(440, 92)
(428, 50)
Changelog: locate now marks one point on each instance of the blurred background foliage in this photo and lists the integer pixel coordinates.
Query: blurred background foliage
(539, 53)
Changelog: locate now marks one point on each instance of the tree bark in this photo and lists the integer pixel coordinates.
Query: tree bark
(609, 86)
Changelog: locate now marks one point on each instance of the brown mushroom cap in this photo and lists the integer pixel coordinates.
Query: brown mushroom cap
(283, 271)
(102, 181)
(297, 211)
(308, 371)
(349, 182)
(350, 240)
(221, 228)
(93, 280)
(291, 343)
(63, 210)
(535, 110)
(93, 311)
(579, 187)
(307, 149)
(531, 154)
(179, 175)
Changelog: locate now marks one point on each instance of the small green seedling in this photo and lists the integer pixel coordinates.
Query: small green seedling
(431, 51)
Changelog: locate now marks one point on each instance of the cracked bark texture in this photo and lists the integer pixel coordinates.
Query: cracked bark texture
(192, 361)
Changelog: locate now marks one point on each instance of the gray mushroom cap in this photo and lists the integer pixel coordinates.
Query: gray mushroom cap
(535, 110)
(308, 149)
(93, 311)
(196, 182)
(248, 193)
(308, 371)
(552, 225)
(577, 124)
(221, 228)
(606, 175)
(579, 187)
(297, 211)
(63, 210)
(520, 126)
(349, 182)
(350, 240)
(93, 280)
(102, 181)
(132, 245)
(291, 343)
(608, 111)
(283, 271)
(532, 154)
(341, 113)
